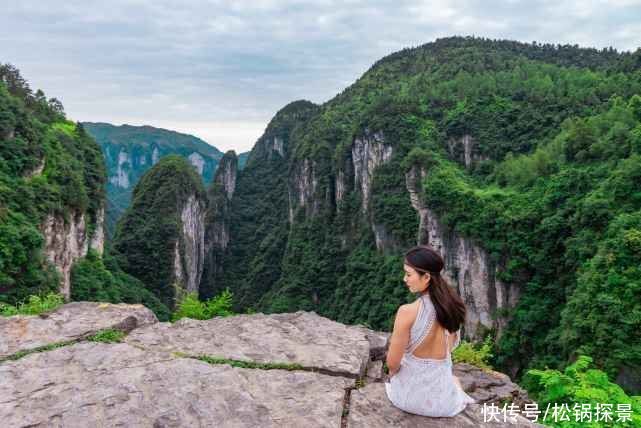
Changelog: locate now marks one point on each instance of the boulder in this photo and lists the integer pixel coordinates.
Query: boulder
(488, 386)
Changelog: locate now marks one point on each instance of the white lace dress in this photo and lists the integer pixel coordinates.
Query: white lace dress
(426, 386)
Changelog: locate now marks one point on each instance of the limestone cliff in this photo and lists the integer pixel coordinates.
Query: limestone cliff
(130, 151)
(161, 238)
(217, 221)
(291, 369)
(189, 257)
(68, 240)
(465, 150)
(468, 266)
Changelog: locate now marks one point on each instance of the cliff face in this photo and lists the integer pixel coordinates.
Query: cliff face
(67, 241)
(468, 266)
(185, 374)
(217, 222)
(130, 151)
(188, 263)
(162, 237)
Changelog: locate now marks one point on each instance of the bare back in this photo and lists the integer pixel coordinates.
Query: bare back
(433, 344)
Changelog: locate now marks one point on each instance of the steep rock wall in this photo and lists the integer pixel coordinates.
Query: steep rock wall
(67, 241)
(217, 221)
(190, 248)
(468, 266)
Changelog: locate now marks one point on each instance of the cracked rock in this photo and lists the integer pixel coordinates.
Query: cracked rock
(303, 338)
(96, 384)
(69, 322)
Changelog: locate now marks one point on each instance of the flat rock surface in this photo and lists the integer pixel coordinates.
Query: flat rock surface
(149, 381)
(370, 408)
(303, 338)
(106, 385)
(69, 322)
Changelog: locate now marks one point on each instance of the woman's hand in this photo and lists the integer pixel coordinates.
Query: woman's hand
(393, 372)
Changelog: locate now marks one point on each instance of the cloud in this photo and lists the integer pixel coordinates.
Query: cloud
(230, 65)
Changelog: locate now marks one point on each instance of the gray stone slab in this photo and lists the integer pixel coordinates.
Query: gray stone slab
(109, 385)
(303, 338)
(370, 408)
(378, 341)
(69, 322)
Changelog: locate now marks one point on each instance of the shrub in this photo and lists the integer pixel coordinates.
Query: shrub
(478, 355)
(580, 385)
(108, 336)
(191, 307)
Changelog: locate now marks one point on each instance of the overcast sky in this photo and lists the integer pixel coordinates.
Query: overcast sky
(221, 69)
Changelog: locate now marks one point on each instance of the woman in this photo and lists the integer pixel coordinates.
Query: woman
(419, 360)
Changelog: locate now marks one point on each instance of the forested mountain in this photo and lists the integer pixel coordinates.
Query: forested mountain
(160, 238)
(520, 162)
(52, 205)
(130, 151)
(51, 191)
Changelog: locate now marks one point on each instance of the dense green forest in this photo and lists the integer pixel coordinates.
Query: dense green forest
(48, 166)
(145, 238)
(552, 194)
(550, 188)
(130, 151)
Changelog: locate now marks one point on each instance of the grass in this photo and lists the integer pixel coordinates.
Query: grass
(104, 336)
(108, 336)
(33, 306)
(242, 363)
(45, 348)
(249, 364)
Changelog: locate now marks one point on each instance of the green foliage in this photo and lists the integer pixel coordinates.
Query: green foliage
(191, 307)
(250, 364)
(148, 232)
(603, 315)
(100, 279)
(108, 336)
(580, 385)
(528, 152)
(48, 167)
(34, 305)
(478, 356)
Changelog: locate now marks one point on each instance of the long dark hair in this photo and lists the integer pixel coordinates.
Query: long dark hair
(450, 309)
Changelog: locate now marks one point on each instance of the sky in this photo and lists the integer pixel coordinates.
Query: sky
(221, 69)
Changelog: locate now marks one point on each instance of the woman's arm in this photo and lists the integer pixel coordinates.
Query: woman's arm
(400, 338)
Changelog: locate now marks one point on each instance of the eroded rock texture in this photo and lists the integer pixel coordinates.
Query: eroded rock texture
(188, 374)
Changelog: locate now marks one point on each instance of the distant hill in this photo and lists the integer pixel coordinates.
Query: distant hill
(130, 151)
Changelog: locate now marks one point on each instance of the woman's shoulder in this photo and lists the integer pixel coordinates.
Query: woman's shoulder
(409, 310)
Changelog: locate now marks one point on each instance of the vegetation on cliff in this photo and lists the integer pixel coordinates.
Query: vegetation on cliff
(130, 151)
(48, 166)
(146, 236)
(530, 151)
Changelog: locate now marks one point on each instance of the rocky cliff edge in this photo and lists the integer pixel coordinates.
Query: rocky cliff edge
(280, 370)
